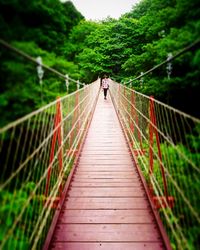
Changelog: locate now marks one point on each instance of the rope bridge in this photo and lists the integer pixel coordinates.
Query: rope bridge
(38, 151)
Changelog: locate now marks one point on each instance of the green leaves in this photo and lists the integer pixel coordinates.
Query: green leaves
(11, 206)
(39, 28)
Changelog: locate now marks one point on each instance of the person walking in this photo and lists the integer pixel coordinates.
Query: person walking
(105, 85)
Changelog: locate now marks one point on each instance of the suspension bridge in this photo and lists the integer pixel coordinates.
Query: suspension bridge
(87, 173)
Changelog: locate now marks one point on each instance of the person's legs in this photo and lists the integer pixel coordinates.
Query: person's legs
(105, 93)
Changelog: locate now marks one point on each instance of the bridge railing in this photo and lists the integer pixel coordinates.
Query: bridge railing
(36, 155)
(166, 148)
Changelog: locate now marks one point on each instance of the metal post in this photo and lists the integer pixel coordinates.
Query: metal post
(40, 73)
(169, 65)
(67, 83)
(78, 85)
(141, 79)
(130, 84)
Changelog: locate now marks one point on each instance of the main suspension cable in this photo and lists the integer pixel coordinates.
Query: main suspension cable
(28, 57)
(186, 49)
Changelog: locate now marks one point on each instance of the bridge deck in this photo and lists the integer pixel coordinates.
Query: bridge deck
(106, 206)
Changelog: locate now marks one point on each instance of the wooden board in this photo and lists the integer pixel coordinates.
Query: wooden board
(107, 216)
(107, 246)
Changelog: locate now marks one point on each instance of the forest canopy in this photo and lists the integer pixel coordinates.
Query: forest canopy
(84, 50)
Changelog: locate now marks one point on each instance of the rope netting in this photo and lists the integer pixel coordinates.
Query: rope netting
(36, 154)
(166, 148)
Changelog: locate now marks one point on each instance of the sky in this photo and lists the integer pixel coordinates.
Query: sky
(100, 9)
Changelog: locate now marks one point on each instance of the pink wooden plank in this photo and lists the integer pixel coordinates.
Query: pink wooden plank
(106, 161)
(102, 170)
(109, 228)
(107, 246)
(106, 174)
(103, 175)
(105, 140)
(105, 147)
(105, 192)
(106, 203)
(102, 157)
(105, 180)
(115, 133)
(110, 168)
(106, 165)
(87, 153)
(106, 216)
(103, 184)
(107, 232)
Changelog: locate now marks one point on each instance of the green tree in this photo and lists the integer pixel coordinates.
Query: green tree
(39, 28)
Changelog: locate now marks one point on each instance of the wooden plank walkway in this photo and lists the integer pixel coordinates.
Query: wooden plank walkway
(106, 206)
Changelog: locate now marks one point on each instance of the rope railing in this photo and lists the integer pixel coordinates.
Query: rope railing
(165, 145)
(37, 153)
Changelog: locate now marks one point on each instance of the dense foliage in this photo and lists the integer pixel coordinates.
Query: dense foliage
(85, 50)
(142, 39)
(39, 28)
